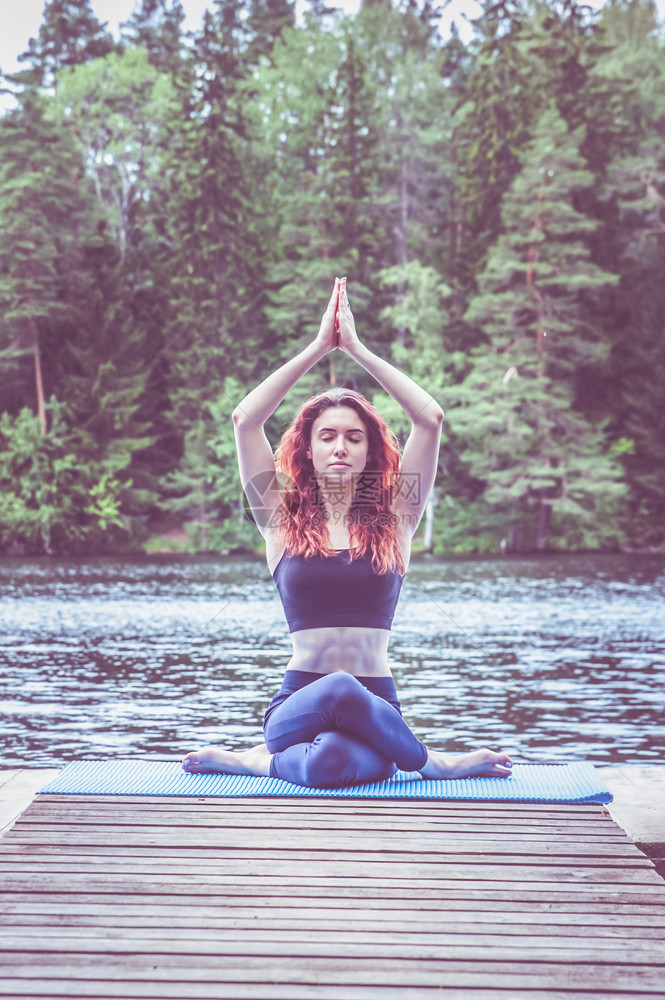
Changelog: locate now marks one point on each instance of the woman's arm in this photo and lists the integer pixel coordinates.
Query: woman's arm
(255, 456)
(419, 405)
(262, 402)
(421, 452)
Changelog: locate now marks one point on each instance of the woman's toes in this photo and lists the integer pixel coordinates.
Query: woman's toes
(190, 763)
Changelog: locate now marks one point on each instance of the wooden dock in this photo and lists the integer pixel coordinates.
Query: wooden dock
(326, 899)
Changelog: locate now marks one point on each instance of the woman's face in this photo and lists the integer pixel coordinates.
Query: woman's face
(339, 444)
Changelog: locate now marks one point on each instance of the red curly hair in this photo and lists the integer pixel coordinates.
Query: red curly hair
(372, 522)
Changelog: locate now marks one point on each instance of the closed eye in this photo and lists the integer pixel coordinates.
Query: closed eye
(331, 437)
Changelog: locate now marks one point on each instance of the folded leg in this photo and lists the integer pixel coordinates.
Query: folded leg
(340, 703)
(330, 760)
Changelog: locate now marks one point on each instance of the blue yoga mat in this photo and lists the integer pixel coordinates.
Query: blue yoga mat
(569, 783)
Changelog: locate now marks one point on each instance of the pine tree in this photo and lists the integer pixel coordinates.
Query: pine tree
(266, 21)
(633, 56)
(156, 26)
(214, 229)
(111, 381)
(67, 292)
(501, 98)
(420, 313)
(70, 34)
(292, 116)
(41, 209)
(547, 471)
(565, 38)
(205, 490)
(318, 105)
(212, 255)
(637, 363)
(410, 198)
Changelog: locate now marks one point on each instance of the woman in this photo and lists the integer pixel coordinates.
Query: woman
(338, 541)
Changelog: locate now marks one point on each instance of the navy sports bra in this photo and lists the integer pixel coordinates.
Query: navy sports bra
(331, 590)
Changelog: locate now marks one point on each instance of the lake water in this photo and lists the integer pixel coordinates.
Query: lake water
(552, 659)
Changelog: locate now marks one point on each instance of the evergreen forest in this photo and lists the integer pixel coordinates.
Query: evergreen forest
(175, 206)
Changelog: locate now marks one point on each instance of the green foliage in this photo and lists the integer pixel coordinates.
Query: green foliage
(33, 477)
(541, 463)
(49, 501)
(175, 207)
(118, 107)
(420, 314)
(205, 490)
(42, 207)
(637, 361)
(105, 502)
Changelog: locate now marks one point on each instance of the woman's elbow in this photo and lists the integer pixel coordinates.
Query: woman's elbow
(432, 415)
(239, 417)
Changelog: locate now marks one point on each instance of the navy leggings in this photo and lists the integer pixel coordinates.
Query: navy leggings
(331, 730)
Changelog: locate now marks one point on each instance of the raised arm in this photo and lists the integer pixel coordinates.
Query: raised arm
(421, 452)
(255, 455)
(261, 402)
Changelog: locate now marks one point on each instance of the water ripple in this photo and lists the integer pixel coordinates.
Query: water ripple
(552, 659)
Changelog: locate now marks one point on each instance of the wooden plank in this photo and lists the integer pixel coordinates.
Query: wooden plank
(293, 871)
(228, 913)
(202, 854)
(377, 943)
(370, 806)
(543, 924)
(278, 811)
(123, 990)
(280, 898)
(300, 842)
(439, 890)
(91, 812)
(525, 972)
(235, 826)
(377, 903)
(339, 815)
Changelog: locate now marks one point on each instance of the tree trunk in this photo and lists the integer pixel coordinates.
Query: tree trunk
(532, 260)
(401, 226)
(39, 382)
(544, 515)
(203, 526)
(429, 520)
(512, 527)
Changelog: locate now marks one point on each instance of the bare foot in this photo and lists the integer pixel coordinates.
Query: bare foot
(480, 763)
(215, 760)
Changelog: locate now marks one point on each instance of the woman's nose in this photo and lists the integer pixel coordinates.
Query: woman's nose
(340, 447)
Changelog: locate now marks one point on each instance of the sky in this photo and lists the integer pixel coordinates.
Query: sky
(20, 20)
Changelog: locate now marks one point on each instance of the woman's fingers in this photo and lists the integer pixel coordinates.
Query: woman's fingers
(334, 298)
(327, 335)
(340, 284)
(347, 327)
(344, 299)
(330, 332)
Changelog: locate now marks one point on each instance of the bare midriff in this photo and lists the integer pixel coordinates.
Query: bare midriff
(362, 652)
